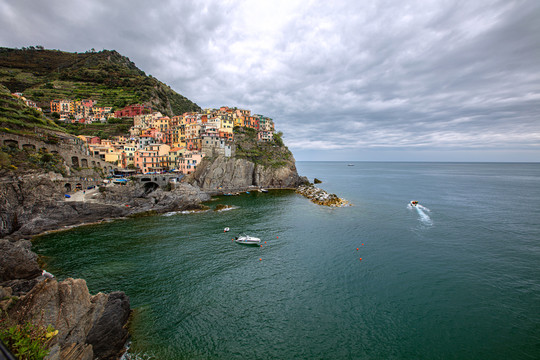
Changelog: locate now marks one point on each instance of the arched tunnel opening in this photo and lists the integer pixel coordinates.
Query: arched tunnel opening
(150, 186)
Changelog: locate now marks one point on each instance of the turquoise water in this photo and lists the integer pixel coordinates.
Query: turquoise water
(458, 278)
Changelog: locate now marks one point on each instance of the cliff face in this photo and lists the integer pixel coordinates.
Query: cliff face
(230, 174)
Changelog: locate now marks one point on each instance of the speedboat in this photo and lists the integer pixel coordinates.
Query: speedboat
(414, 202)
(263, 190)
(247, 240)
(226, 229)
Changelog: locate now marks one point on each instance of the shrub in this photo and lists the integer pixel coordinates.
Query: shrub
(27, 341)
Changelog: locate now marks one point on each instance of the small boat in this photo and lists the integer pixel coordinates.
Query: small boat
(247, 240)
(263, 190)
(350, 164)
(414, 202)
(226, 229)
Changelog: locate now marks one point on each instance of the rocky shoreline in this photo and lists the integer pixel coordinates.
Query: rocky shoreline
(321, 197)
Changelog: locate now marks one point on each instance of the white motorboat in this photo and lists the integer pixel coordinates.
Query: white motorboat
(247, 240)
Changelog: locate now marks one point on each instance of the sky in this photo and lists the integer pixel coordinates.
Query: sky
(370, 80)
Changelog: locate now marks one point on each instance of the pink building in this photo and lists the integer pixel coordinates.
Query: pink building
(147, 160)
(189, 162)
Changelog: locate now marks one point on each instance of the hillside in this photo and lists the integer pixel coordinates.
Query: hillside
(105, 76)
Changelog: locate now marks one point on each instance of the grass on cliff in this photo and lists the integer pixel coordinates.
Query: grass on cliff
(13, 159)
(117, 127)
(266, 153)
(16, 117)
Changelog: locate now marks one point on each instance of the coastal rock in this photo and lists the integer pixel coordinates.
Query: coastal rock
(109, 333)
(321, 197)
(134, 199)
(230, 174)
(79, 317)
(17, 261)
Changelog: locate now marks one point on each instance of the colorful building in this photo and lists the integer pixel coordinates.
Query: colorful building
(133, 110)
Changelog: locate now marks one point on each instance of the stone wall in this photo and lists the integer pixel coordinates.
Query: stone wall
(75, 155)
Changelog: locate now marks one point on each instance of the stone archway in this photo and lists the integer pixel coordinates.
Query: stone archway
(11, 143)
(150, 186)
(93, 163)
(67, 187)
(75, 161)
(84, 163)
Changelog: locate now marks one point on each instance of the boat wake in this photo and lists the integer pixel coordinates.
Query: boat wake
(422, 212)
(424, 218)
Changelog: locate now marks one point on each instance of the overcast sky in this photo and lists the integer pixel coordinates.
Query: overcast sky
(349, 80)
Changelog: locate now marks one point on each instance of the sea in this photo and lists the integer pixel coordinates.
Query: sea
(457, 277)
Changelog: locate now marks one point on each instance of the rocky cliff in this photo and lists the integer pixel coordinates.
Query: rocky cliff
(232, 174)
(89, 327)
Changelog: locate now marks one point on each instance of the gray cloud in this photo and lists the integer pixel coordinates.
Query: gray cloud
(412, 79)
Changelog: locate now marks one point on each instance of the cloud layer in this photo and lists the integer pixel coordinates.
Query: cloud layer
(342, 79)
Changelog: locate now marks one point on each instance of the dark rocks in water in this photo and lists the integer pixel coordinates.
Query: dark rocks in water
(220, 207)
(317, 181)
(109, 334)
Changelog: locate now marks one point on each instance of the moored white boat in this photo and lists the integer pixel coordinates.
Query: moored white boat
(247, 240)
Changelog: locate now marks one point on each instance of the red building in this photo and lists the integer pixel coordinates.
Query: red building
(133, 110)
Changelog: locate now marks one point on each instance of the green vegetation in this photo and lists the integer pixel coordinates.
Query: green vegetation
(12, 158)
(117, 127)
(26, 341)
(273, 153)
(16, 117)
(105, 76)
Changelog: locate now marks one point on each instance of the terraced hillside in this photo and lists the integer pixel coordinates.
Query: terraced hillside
(105, 76)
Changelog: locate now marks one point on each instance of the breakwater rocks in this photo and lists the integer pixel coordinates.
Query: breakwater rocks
(321, 197)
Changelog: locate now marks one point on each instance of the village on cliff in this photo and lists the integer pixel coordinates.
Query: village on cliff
(158, 143)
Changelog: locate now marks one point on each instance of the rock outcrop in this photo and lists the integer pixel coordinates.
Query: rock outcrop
(230, 174)
(88, 326)
(321, 197)
(17, 261)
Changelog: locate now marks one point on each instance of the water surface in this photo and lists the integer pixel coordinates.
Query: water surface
(458, 278)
